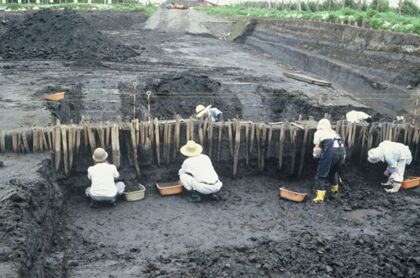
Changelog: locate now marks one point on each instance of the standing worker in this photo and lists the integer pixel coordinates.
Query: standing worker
(197, 174)
(397, 156)
(203, 111)
(358, 117)
(102, 175)
(331, 153)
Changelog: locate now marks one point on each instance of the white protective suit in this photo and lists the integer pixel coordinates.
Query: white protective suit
(356, 116)
(197, 173)
(396, 155)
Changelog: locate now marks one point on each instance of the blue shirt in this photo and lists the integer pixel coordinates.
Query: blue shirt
(214, 113)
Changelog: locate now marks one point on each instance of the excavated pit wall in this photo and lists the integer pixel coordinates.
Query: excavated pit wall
(377, 65)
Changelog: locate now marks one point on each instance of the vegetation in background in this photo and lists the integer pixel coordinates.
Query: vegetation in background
(377, 15)
(127, 6)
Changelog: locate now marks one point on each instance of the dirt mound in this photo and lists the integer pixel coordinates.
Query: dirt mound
(59, 34)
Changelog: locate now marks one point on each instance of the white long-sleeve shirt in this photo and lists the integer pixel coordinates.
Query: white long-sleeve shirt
(356, 116)
(102, 176)
(201, 168)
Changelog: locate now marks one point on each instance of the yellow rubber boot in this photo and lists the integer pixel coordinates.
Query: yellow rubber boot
(334, 189)
(320, 196)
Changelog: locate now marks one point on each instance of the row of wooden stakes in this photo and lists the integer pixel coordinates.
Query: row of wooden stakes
(245, 140)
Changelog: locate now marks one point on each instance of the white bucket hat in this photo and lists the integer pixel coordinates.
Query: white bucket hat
(99, 155)
(200, 110)
(191, 149)
(323, 124)
(375, 155)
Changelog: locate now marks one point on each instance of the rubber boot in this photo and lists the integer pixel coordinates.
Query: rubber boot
(334, 189)
(395, 187)
(320, 196)
(194, 197)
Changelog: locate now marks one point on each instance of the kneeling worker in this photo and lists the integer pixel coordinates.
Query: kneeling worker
(203, 111)
(197, 174)
(331, 153)
(397, 156)
(102, 175)
(358, 117)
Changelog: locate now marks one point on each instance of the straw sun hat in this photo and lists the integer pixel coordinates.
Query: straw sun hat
(200, 110)
(191, 149)
(99, 155)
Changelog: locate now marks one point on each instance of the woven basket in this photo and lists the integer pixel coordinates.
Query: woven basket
(135, 195)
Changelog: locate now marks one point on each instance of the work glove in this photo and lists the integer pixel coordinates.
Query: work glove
(395, 187)
(317, 152)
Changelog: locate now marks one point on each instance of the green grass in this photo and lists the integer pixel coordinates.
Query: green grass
(389, 20)
(130, 6)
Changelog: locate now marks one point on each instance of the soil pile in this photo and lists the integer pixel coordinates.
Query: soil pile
(59, 34)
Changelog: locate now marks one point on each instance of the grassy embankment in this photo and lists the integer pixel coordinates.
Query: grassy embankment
(387, 20)
(130, 6)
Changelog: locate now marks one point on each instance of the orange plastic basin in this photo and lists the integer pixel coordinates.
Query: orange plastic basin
(169, 188)
(411, 182)
(55, 97)
(291, 195)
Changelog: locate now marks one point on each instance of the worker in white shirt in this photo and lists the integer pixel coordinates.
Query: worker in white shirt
(205, 111)
(103, 175)
(358, 117)
(397, 156)
(197, 174)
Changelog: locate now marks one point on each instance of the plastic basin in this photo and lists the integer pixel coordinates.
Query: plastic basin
(291, 195)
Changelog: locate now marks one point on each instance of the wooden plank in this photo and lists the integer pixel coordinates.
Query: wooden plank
(307, 79)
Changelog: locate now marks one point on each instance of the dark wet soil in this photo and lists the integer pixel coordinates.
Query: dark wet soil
(51, 231)
(59, 34)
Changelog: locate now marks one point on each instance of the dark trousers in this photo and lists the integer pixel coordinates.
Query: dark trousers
(329, 166)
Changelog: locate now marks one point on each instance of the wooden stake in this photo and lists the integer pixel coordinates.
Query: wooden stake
(282, 137)
(292, 132)
(135, 147)
(258, 132)
(230, 138)
(237, 147)
(252, 137)
(177, 135)
(157, 141)
(65, 150)
(263, 145)
(247, 143)
(25, 142)
(57, 147)
(210, 137)
(115, 141)
(303, 150)
(270, 135)
(3, 141)
(35, 140)
(168, 140)
(219, 142)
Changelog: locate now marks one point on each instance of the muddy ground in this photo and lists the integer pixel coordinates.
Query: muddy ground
(48, 229)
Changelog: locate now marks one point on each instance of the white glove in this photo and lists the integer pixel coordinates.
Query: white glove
(317, 152)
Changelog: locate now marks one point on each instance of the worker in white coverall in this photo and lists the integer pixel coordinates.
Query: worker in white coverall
(331, 153)
(397, 156)
(103, 175)
(358, 117)
(202, 111)
(197, 174)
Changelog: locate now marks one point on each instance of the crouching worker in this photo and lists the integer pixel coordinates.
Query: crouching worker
(102, 175)
(197, 174)
(397, 156)
(204, 112)
(358, 117)
(331, 153)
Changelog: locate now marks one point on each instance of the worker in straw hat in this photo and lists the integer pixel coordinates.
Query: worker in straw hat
(206, 111)
(197, 174)
(397, 156)
(103, 175)
(331, 153)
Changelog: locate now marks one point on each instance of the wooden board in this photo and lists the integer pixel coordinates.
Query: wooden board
(307, 79)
